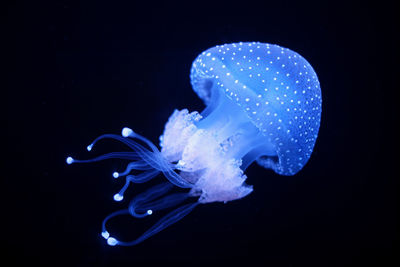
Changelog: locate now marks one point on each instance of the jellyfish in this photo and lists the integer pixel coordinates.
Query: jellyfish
(263, 104)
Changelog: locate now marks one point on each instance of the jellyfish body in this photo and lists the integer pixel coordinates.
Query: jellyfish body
(263, 104)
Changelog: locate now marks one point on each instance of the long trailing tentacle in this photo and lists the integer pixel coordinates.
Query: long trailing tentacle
(141, 178)
(144, 153)
(151, 162)
(152, 158)
(167, 170)
(143, 205)
(146, 197)
(136, 165)
(112, 155)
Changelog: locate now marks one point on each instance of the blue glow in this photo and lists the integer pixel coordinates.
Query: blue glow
(118, 197)
(263, 104)
(126, 132)
(112, 241)
(278, 90)
(105, 234)
(69, 160)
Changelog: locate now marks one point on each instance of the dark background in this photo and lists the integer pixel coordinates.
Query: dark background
(75, 70)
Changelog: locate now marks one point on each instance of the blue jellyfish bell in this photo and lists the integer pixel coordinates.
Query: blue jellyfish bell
(263, 104)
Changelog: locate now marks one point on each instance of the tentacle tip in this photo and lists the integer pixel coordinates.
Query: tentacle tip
(111, 241)
(89, 147)
(105, 234)
(118, 197)
(127, 132)
(69, 160)
(149, 212)
(115, 174)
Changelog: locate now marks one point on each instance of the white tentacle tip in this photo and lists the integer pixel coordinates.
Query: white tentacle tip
(105, 234)
(69, 160)
(111, 241)
(118, 197)
(127, 132)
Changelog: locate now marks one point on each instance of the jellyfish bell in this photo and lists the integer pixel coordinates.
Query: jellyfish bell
(276, 88)
(263, 104)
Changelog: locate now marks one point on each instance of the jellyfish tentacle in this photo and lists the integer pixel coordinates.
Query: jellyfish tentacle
(127, 132)
(153, 159)
(163, 223)
(143, 177)
(104, 233)
(136, 165)
(112, 155)
(144, 201)
(144, 204)
(140, 178)
(165, 202)
(144, 153)
(147, 196)
(169, 219)
(166, 167)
